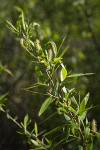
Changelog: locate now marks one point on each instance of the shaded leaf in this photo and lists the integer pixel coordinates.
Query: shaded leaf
(83, 104)
(82, 107)
(61, 44)
(53, 131)
(39, 73)
(87, 132)
(64, 51)
(3, 97)
(35, 85)
(74, 100)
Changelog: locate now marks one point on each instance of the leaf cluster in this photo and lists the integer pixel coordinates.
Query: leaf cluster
(53, 76)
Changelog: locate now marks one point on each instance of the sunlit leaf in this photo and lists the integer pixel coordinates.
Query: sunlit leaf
(9, 72)
(26, 118)
(75, 126)
(56, 60)
(83, 104)
(35, 142)
(79, 75)
(61, 110)
(36, 128)
(80, 147)
(23, 21)
(83, 116)
(54, 47)
(45, 105)
(11, 27)
(86, 98)
(72, 110)
(63, 73)
(36, 24)
(82, 107)
(18, 9)
(67, 117)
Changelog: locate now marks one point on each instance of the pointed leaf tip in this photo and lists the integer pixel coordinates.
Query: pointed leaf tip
(45, 105)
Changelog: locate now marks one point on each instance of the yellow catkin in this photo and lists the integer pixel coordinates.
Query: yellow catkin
(50, 55)
(94, 125)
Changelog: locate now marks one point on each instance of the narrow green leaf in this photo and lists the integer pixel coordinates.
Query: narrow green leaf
(2, 68)
(35, 85)
(38, 71)
(63, 73)
(35, 143)
(49, 142)
(31, 43)
(22, 42)
(74, 100)
(48, 118)
(61, 44)
(64, 51)
(56, 60)
(35, 24)
(80, 147)
(82, 107)
(45, 105)
(59, 143)
(79, 74)
(72, 110)
(53, 131)
(3, 97)
(18, 9)
(83, 104)
(11, 27)
(67, 117)
(54, 47)
(36, 128)
(87, 132)
(9, 72)
(83, 116)
(61, 110)
(86, 98)
(39, 74)
(26, 119)
(23, 21)
(75, 126)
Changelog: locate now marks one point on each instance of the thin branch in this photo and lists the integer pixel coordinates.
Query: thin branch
(11, 118)
(50, 78)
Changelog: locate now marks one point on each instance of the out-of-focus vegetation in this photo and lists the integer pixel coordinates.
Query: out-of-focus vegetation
(79, 21)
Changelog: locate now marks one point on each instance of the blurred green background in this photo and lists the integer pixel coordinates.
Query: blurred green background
(79, 20)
